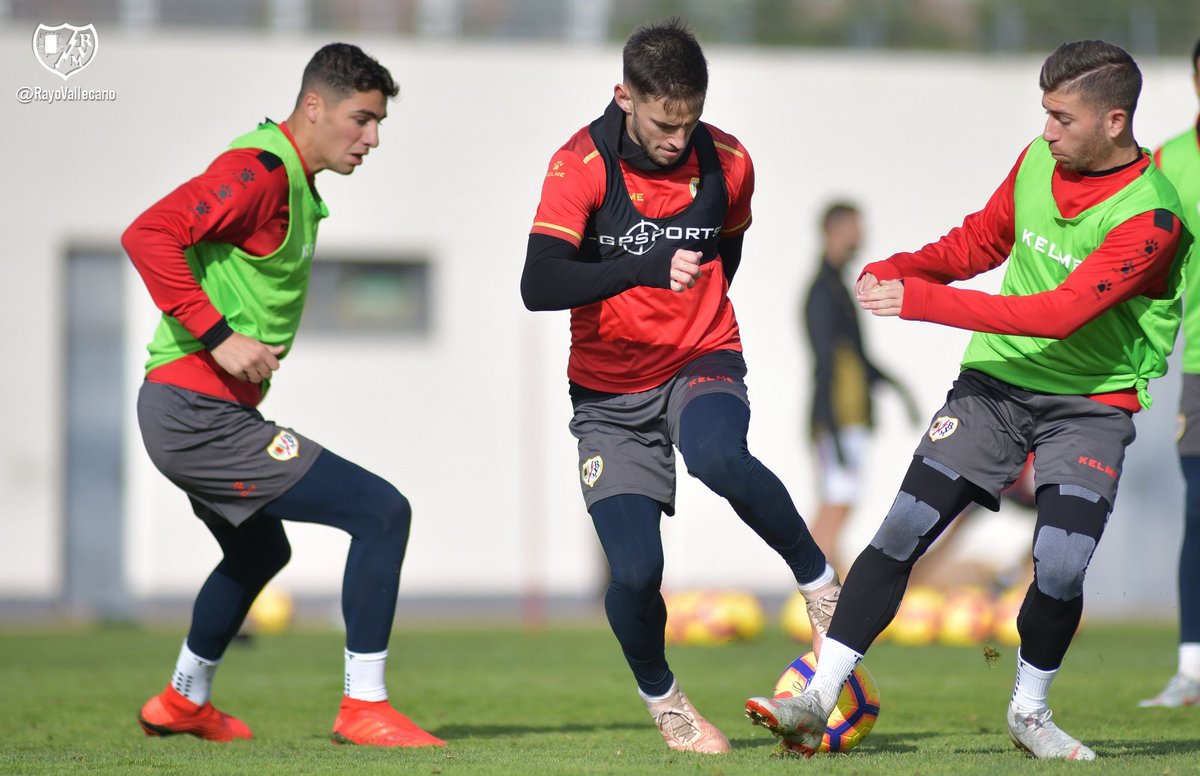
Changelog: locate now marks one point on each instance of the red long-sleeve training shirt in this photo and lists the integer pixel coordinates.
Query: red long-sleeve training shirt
(1134, 259)
(242, 200)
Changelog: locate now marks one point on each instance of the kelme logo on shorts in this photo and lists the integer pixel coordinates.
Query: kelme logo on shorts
(592, 469)
(943, 427)
(284, 447)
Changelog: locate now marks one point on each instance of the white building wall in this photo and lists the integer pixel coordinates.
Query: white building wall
(470, 423)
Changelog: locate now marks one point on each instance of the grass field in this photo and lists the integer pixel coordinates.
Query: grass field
(560, 701)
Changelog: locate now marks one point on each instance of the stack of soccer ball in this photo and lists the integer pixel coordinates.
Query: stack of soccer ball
(709, 617)
(964, 617)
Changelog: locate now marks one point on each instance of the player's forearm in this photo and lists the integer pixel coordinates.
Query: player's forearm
(553, 279)
(159, 258)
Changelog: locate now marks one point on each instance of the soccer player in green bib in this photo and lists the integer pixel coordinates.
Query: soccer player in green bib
(1087, 313)
(1179, 159)
(226, 257)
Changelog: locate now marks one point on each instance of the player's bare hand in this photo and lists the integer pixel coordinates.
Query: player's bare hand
(883, 299)
(685, 270)
(247, 359)
(865, 283)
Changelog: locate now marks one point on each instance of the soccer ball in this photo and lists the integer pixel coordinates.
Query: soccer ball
(746, 612)
(272, 611)
(919, 618)
(857, 707)
(706, 617)
(696, 617)
(794, 619)
(966, 617)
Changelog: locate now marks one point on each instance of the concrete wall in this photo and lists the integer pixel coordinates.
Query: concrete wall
(471, 422)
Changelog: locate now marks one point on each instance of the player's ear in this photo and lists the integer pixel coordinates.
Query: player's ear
(624, 97)
(312, 105)
(1115, 121)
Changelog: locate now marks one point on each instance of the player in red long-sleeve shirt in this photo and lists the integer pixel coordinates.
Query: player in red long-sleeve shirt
(226, 257)
(639, 232)
(1090, 232)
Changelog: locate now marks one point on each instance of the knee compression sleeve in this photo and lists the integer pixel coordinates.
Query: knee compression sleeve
(931, 496)
(1071, 520)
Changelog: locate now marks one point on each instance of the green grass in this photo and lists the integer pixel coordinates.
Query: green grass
(561, 701)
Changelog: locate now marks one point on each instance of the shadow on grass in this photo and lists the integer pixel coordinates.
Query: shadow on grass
(1111, 748)
(489, 731)
(892, 743)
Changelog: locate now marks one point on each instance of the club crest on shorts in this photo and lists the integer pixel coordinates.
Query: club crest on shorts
(592, 469)
(943, 427)
(284, 447)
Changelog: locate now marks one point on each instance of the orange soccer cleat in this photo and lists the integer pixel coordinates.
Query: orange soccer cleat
(376, 723)
(169, 714)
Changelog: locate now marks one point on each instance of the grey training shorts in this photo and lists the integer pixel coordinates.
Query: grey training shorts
(627, 440)
(987, 427)
(221, 453)
(1187, 440)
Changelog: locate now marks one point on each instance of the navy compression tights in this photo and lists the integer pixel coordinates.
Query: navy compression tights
(1189, 554)
(712, 439)
(1069, 525)
(336, 493)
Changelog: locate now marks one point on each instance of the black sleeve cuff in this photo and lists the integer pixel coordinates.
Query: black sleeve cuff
(218, 333)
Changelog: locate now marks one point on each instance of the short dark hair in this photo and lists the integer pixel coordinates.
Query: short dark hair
(344, 68)
(1105, 74)
(664, 60)
(836, 211)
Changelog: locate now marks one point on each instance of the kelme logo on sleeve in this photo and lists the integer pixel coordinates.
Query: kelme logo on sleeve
(943, 427)
(592, 469)
(284, 447)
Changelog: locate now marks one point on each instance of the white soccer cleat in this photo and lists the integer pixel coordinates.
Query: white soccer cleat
(800, 720)
(1037, 735)
(1180, 691)
(683, 728)
(820, 604)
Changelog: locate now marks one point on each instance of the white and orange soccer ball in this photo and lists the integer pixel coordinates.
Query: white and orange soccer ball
(967, 616)
(857, 707)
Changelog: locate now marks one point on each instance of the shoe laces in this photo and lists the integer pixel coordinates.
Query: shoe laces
(826, 602)
(679, 722)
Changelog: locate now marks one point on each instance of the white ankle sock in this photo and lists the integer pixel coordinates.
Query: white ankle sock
(652, 699)
(1032, 687)
(826, 577)
(193, 676)
(833, 669)
(365, 675)
(1189, 660)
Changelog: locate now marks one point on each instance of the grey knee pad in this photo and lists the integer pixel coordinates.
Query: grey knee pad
(906, 522)
(1063, 557)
